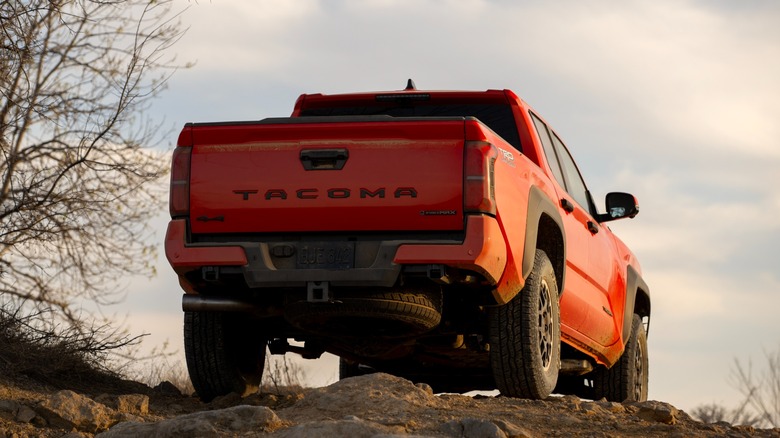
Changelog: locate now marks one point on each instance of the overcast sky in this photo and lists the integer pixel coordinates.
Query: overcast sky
(677, 102)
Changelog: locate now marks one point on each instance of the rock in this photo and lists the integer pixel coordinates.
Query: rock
(350, 426)
(225, 401)
(614, 407)
(136, 404)
(167, 388)
(76, 435)
(224, 422)
(658, 412)
(25, 414)
(472, 427)
(13, 411)
(511, 430)
(425, 387)
(592, 408)
(67, 409)
(570, 400)
(8, 409)
(370, 397)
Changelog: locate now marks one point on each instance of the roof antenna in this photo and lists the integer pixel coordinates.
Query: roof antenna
(410, 85)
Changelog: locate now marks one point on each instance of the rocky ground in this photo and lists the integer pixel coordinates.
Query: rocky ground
(367, 406)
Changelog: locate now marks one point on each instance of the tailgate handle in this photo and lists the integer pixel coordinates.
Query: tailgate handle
(324, 159)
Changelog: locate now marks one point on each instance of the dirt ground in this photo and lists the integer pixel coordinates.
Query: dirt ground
(372, 405)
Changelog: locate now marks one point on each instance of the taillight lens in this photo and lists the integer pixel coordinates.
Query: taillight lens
(180, 182)
(478, 179)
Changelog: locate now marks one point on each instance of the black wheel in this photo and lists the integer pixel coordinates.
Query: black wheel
(525, 336)
(389, 313)
(223, 354)
(627, 379)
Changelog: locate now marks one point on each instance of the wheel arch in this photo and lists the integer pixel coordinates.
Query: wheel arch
(544, 230)
(637, 301)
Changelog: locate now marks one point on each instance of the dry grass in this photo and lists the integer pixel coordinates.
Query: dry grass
(282, 376)
(100, 359)
(162, 366)
(33, 346)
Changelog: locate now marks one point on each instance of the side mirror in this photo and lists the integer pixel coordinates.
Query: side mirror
(619, 206)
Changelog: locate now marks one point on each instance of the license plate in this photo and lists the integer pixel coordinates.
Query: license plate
(326, 255)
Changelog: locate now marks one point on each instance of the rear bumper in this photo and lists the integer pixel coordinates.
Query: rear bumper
(483, 251)
(184, 258)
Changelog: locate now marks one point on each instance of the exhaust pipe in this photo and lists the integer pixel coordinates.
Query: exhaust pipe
(199, 303)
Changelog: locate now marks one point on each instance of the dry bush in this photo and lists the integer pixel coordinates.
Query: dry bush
(715, 413)
(166, 370)
(282, 375)
(760, 391)
(158, 366)
(33, 345)
(760, 405)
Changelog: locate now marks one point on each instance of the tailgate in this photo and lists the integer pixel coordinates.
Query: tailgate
(298, 175)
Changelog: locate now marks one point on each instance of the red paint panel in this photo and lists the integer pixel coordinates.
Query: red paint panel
(183, 258)
(483, 250)
(399, 176)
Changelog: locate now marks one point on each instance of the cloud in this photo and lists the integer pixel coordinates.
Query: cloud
(244, 36)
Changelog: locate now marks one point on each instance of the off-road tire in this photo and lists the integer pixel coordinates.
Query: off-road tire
(223, 354)
(525, 336)
(388, 313)
(627, 380)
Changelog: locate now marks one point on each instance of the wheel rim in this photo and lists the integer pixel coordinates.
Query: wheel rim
(545, 325)
(639, 371)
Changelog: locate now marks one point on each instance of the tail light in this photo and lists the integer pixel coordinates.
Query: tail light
(179, 202)
(478, 182)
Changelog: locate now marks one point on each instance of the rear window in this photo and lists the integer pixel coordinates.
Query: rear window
(499, 118)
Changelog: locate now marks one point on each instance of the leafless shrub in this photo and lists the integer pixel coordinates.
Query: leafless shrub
(282, 375)
(761, 391)
(715, 413)
(760, 405)
(75, 201)
(36, 346)
(162, 367)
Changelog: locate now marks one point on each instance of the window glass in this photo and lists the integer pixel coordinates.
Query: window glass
(498, 118)
(576, 186)
(549, 152)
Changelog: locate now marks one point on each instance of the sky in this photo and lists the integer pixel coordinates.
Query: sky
(676, 102)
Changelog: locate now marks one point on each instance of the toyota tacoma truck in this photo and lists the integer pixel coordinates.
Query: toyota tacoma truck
(447, 237)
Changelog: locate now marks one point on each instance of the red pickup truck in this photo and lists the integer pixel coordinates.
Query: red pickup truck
(443, 236)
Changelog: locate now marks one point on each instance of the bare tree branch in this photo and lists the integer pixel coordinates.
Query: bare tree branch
(760, 404)
(761, 393)
(77, 171)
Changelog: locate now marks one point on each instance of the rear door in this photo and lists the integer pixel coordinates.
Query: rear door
(585, 304)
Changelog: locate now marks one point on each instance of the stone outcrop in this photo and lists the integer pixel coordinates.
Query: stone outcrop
(69, 410)
(376, 405)
(223, 422)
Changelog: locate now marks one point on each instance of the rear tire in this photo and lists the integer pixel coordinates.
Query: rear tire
(223, 354)
(525, 336)
(627, 380)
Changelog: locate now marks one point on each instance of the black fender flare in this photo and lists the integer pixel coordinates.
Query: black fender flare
(539, 204)
(635, 285)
